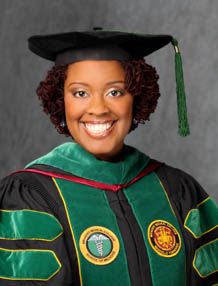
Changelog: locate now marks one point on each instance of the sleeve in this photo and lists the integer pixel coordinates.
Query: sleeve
(197, 214)
(34, 248)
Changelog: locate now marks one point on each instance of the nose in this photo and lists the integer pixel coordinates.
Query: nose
(98, 105)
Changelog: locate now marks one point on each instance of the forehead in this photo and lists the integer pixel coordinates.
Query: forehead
(93, 68)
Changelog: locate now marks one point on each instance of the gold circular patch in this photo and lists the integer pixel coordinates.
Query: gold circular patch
(99, 245)
(164, 238)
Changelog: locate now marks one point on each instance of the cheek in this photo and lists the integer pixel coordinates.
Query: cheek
(126, 113)
(127, 108)
(73, 110)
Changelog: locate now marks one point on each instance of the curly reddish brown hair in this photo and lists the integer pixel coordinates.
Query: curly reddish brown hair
(140, 81)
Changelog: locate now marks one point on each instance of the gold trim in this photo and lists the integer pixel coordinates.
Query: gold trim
(174, 230)
(187, 217)
(88, 255)
(34, 250)
(176, 49)
(202, 202)
(166, 194)
(71, 229)
(193, 262)
(40, 239)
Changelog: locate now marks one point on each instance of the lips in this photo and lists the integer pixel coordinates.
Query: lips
(96, 129)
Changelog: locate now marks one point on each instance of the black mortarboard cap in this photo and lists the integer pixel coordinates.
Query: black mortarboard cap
(100, 44)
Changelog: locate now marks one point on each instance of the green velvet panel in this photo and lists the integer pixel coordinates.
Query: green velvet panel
(29, 224)
(71, 157)
(205, 262)
(150, 203)
(202, 219)
(31, 264)
(88, 207)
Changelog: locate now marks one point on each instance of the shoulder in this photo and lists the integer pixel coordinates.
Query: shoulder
(178, 178)
(174, 172)
(27, 189)
(30, 186)
(183, 189)
(32, 217)
(197, 214)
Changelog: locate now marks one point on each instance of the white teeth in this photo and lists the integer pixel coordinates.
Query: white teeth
(99, 127)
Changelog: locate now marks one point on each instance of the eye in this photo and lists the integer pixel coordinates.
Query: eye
(116, 92)
(80, 93)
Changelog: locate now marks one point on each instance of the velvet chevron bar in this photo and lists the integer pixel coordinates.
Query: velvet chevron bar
(202, 219)
(28, 264)
(203, 263)
(29, 224)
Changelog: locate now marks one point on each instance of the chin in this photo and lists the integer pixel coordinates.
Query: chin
(105, 152)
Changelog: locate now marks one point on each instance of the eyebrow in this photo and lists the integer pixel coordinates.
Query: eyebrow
(108, 83)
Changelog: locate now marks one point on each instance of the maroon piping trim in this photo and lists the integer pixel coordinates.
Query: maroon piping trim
(114, 188)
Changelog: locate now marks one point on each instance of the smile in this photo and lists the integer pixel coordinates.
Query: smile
(98, 129)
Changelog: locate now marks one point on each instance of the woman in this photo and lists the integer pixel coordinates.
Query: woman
(96, 211)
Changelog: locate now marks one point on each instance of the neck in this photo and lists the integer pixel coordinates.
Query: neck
(115, 158)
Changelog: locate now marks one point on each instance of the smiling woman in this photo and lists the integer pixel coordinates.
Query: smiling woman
(140, 80)
(95, 211)
(98, 111)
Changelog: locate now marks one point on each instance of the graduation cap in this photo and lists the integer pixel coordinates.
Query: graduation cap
(100, 44)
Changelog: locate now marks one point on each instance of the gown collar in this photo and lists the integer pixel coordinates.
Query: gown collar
(74, 159)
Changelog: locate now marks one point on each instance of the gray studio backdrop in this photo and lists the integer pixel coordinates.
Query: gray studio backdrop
(26, 132)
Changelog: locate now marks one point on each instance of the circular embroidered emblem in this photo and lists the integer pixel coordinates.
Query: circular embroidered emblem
(164, 238)
(99, 245)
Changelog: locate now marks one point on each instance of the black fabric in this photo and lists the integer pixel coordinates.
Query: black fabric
(137, 258)
(185, 193)
(36, 192)
(132, 45)
(107, 52)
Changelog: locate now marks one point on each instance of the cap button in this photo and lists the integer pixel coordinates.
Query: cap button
(97, 28)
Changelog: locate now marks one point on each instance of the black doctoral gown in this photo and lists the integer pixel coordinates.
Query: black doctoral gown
(69, 219)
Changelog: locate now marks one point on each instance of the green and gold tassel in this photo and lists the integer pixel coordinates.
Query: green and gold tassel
(183, 125)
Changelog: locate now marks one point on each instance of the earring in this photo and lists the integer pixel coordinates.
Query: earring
(63, 123)
(134, 121)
